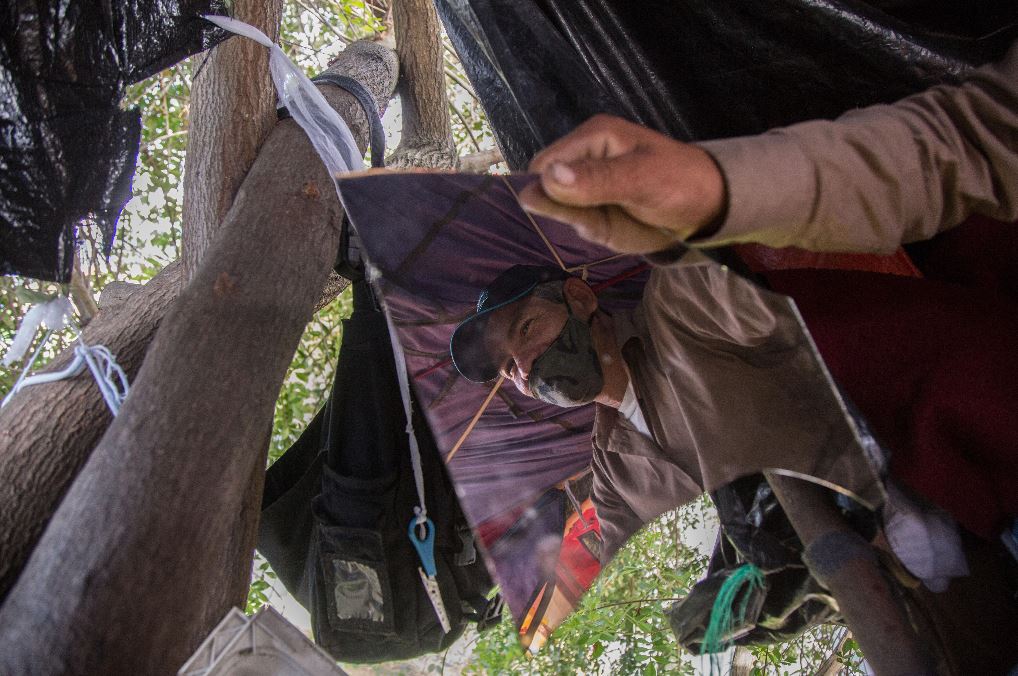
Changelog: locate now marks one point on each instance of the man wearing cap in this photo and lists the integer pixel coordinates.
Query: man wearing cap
(707, 380)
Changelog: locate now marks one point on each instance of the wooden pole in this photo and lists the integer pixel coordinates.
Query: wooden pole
(846, 565)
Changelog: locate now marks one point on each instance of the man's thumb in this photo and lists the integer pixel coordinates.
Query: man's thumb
(583, 183)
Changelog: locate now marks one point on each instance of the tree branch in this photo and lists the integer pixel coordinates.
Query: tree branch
(232, 110)
(426, 140)
(133, 569)
(480, 162)
(81, 294)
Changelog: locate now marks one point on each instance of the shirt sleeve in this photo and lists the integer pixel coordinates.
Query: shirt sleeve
(615, 517)
(879, 176)
(701, 298)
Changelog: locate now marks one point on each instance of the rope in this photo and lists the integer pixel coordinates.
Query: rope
(544, 238)
(723, 617)
(108, 375)
(473, 422)
(55, 314)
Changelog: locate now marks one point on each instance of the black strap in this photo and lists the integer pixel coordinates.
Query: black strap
(367, 101)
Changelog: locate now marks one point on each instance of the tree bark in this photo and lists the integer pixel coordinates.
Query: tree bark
(129, 575)
(232, 110)
(48, 431)
(426, 140)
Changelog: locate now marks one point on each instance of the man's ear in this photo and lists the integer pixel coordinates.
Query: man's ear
(580, 296)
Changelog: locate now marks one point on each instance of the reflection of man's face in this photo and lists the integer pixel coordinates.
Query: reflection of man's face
(520, 332)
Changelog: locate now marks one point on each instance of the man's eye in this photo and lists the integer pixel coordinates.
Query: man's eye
(525, 329)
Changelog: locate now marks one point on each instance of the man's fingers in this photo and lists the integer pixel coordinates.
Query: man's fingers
(607, 226)
(601, 136)
(593, 182)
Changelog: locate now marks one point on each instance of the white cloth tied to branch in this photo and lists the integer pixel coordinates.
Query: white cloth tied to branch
(327, 131)
(55, 315)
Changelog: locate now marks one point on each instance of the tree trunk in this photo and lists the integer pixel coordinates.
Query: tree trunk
(129, 575)
(48, 431)
(426, 140)
(742, 662)
(232, 110)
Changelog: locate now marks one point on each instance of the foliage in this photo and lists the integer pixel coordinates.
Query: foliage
(621, 626)
(261, 586)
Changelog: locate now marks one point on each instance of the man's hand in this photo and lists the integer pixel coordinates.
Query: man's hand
(626, 187)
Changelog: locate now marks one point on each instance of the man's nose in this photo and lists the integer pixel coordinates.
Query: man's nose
(524, 360)
(523, 368)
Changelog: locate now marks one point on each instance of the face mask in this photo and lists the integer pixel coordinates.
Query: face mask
(569, 372)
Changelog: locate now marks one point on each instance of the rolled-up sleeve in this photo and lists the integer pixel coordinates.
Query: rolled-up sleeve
(879, 176)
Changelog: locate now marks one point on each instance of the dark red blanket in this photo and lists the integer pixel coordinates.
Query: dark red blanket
(932, 362)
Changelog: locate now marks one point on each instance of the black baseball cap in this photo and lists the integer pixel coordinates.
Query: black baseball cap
(469, 355)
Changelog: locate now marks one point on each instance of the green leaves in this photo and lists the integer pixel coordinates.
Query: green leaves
(257, 595)
(621, 626)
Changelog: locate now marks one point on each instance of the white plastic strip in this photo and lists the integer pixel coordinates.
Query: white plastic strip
(404, 390)
(327, 131)
(108, 375)
(53, 314)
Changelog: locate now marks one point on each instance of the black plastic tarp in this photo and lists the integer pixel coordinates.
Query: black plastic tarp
(67, 149)
(699, 69)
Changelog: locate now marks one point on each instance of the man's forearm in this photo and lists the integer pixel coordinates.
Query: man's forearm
(878, 176)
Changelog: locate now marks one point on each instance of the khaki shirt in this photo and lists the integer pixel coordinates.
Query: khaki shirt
(879, 176)
(729, 383)
(723, 375)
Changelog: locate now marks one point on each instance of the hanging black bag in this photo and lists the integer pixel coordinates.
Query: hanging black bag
(337, 507)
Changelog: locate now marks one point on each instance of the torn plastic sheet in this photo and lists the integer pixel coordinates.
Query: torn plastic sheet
(67, 149)
(703, 69)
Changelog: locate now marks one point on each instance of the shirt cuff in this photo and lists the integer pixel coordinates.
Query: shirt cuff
(769, 185)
